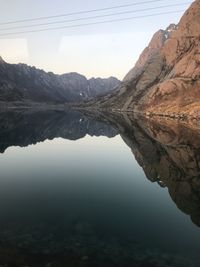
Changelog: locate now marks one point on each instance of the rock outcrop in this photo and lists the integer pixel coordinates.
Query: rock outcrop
(22, 83)
(166, 78)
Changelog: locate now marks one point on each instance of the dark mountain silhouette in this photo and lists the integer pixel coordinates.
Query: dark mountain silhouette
(20, 83)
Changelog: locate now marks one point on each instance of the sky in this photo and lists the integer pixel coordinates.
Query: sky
(98, 50)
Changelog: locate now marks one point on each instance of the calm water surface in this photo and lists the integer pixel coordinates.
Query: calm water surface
(73, 192)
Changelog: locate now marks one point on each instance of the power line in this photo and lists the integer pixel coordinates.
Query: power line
(89, 24)
(81, 12)
(93, 17)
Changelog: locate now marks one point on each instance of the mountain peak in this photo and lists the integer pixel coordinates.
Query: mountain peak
(150, 51)
(172, 27)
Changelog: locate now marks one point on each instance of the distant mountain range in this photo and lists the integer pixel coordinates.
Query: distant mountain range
(22, 83)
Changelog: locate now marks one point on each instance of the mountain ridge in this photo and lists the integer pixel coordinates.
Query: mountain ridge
(20, 82)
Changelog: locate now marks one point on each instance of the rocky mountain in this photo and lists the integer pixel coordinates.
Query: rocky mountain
(166, 78)
(22, 83)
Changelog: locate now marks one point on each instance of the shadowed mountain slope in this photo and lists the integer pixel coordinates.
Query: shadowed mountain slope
(22, 83)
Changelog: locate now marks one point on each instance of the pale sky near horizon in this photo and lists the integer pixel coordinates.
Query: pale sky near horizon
(102, 50)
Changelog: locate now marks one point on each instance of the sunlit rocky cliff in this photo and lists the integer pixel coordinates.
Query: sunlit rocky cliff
(166, 78)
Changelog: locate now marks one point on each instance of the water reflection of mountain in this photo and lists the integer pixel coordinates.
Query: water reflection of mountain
(22, 128)
(169, 153)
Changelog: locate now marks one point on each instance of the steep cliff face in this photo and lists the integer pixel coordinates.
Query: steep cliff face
(150, 51)
(178, 91)
(166, 78)
(23, 83)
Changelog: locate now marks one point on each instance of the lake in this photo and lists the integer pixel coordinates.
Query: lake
(81, 189)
